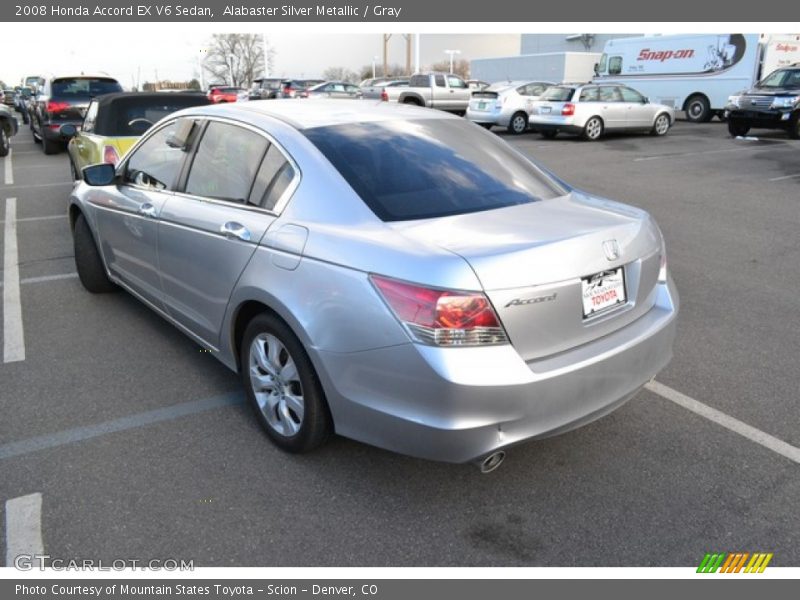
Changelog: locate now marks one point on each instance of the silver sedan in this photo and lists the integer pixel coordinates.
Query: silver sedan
(505, 104)
(592, 110)
(389, 273)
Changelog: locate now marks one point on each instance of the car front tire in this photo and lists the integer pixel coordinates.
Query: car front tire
(282, 386)
(88, 263)
(737, 129)
(5, 145)
(660, 125)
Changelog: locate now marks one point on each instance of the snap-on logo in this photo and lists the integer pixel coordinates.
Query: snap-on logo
(785, 48)
(662, 55)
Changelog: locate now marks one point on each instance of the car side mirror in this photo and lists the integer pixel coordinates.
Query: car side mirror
(597, 68)
(645, 100)
(69, 130)
(100, 175)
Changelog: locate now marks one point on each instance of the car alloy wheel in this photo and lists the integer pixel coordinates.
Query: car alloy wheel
(519, 123)
(593, 129)
(276, 384)
(661, 125)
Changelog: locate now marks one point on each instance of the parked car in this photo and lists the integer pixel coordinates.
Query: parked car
(222, 94)
(62, 100)
(8, 129)
(388, 91)
(476, 85)
(115, 122)
(389, 273)
(506, 104)
(591, 110)
(773, 103)
(298, 88)
(22, 102)
(368, 83)
(437, 90)
(334, 89)
(8, 95)
(267, 88)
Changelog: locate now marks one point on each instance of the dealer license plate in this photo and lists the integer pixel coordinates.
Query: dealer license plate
(544, 110)
(603, 291)
(481, 105)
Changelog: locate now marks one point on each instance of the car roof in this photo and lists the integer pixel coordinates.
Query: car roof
(310, 113)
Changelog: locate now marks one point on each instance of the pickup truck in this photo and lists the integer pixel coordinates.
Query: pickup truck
(388, 91)
(437, 90)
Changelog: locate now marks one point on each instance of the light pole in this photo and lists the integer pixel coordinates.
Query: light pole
(374, 60)
(452, 53)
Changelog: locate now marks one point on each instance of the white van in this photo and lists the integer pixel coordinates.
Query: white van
(695, 73)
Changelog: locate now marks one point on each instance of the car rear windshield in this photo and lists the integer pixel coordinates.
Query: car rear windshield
(420, 169)
(84, 87)
(557, 94)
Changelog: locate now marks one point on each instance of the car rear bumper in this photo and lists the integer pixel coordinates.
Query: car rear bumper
(493, 117)
(555, 123)
(461, 404)
(52, 130)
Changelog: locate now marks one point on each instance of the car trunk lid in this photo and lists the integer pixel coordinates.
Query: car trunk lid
(532, 260)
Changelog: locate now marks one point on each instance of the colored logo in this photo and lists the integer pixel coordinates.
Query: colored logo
(734, 562)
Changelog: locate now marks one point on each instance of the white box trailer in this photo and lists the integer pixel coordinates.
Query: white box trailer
(547, 66)
(695, 73)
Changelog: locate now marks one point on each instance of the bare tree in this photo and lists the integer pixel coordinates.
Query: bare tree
(237, 56)
(394, 70)
(340, 74)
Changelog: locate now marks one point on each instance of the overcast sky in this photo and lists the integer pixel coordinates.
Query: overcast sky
(175, 56)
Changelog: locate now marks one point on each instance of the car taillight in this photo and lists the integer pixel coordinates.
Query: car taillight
(384, 96)
(110, 155)
(442, 317)
(53, 106)
(568, 110)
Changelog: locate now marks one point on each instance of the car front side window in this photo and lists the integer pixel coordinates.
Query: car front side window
(157, 162)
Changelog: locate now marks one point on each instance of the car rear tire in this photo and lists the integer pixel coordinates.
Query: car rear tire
(593, 129)
(73, 171)
(660, 125)
(88, 263)
(50, 146)
(794, 127)
(550, 135)
(282, 386)
(698, 109)
(737, 129)
(5, 145)
(486, 126)
(518, 123)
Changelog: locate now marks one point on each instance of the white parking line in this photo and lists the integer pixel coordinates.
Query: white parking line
(9, 168)
(46, 278)
(13, 335)
(48, 218)
(23, 527)
(40, 185)
(720, 418)
(785, 177)
(682, 154)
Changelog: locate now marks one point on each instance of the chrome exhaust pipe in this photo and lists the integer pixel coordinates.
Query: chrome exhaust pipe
(491, 462)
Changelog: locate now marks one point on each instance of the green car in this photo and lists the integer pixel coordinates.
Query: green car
(115, 122)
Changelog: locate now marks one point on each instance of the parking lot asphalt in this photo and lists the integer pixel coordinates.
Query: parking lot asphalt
(140, 446)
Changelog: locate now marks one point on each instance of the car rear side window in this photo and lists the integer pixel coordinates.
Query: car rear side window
(405, 170)
(589, 95)
(84, 87)
(557, 94)
(274, 177)
(90, 118)
(156, 163)
(226, 162)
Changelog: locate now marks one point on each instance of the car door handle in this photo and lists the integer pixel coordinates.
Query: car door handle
(232, 229)
(147, 210)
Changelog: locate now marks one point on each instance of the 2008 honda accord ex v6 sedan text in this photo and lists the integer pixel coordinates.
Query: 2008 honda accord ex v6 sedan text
(393, 274)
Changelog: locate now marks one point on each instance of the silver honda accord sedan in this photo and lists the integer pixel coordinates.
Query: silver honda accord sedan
(388, 273)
